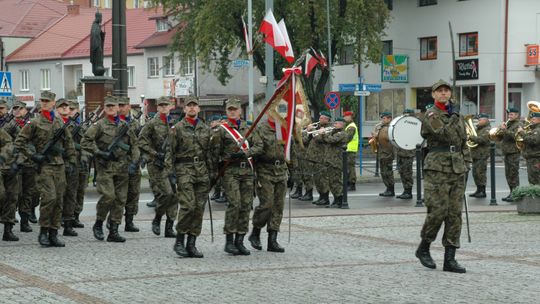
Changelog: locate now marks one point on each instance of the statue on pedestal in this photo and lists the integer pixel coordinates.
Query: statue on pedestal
(97, 40)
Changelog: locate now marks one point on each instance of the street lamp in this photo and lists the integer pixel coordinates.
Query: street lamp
(142, 100)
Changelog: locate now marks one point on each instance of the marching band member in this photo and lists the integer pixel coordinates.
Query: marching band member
(531, 150)
(510, 151)
(405, 159)
(386, 154)
(480, 155)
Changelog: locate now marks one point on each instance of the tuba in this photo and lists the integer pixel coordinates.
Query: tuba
(534, 106)
(471, 131)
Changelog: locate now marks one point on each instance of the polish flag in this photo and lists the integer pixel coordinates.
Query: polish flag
(322, 59)
(246, 37)
(311, 63)
(289, 54)
(273, 35)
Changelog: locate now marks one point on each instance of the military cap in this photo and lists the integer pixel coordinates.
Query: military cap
(110, 100)
(47, 95)
(348, 113)
(439, 84)
(325, 113)
(535, 114)
(249, 122)
(214, 117)
(408, 111)
(122, 100)
(163, 100)
(386, 114)
(62, 101)
(483, 115)
(429, 106)
(340, 119)
(512, 110)
(191, 99)
(234, 103)
(19, 104)
(3, 102)
(74, 104)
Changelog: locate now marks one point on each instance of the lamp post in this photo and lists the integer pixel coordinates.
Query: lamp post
(143, 108)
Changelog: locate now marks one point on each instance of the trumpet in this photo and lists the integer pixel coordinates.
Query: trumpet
(534, 106)
(314, 125)
(321, 131)
(471, 131)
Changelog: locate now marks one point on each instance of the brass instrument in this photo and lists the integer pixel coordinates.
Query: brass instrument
(496, 133)
(320, 131)
(373, 142)
(534, 106)
(315, 125)
(471, 131)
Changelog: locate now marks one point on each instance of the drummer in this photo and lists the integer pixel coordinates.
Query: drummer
(385, 153)
(405, 159)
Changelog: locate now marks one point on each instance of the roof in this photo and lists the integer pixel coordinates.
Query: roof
(157, 39)
(69, 37)
(28, 18)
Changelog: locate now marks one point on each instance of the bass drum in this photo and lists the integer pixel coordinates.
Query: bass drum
(404, 132)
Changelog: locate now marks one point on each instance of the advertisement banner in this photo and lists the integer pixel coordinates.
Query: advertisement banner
(395, 68)
(467, 69)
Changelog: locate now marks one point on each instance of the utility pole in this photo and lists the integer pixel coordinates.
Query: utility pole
(119, 48)
(329, 45)
(269, 59)
(251, 109)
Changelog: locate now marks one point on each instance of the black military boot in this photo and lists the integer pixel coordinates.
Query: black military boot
(179, 246)
(422, 253)
(25, 226)
(43, 237)
(192, 251)
(54, 240)
(156, 222)
(308, 196)
(324, 200)
(77, 223)
(255, 238)
(169, 231)
(8, 233)
(222, 199)
(98, 230)
(239, 243)
(68, 229)
(273, 245)
(481, 193)
(475, 192)
(450, 263)
(351, 187)
(389, 192)
(130, 227)
(114, 236)
(407, 194)
(32, 218)
(229, 244)
(336, 203)
(298, 193)
(152, 204)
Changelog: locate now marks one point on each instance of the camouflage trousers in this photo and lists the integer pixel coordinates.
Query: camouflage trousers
(351, 167)
(320, 177)
(192, 195)
(306, 175)
(29, 194)
(113, 189)
(218, 186)
(405, 168)
(533, 170)
(387, 174)
(296, 173)
(134, 191)
(9, 192)
(511, 169)
(70, 196)
(271, 195)
(336, 180)
(167, 201)
(81, 189)
(239, 191)
(443, 196)
(51, 184)
(479, 171)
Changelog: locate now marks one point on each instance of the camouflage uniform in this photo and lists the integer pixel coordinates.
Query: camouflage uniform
(386, 159)
(295, 169)
(83, 171)
(405, 160)
(7, 204)
(480, 156)
(72, 185)
(134, 183)
(511, 154)
(314, 152)
(531, 153)
(306, 169)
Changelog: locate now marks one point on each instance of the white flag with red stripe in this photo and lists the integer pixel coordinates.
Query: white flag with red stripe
(273, 36)
(311, 63)
(288, 54)
(246, 37)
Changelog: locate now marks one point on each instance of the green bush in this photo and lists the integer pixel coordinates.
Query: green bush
(526, 191)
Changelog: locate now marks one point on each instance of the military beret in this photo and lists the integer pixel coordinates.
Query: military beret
(233, 103)
(483, 115)
(191, 99)
(429, 106)
(110, 101)
(163, 100)
(340, 119)
(408, 111)
(512, 110)
(122, 100)
(348, 113)
(47, 95)
(535, 114)
(214, 117)
(326, 113)
(223, 117)
(386, 114)
(62, 101)
(440, 83)
(249, 122)
(74, 104)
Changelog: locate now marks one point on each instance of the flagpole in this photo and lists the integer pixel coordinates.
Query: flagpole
(250, 57)
(329, 45)
(269, 59)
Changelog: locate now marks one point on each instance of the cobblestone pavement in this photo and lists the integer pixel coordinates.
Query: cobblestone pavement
(330, 259)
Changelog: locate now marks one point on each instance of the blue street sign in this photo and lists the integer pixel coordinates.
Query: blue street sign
(347, 87)
(5, 84)
(240, 63)
(375, 88)
(332, 100)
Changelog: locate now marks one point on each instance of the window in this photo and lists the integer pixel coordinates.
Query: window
(153, 67)
(392, 100)
(346, 55)
(186, 67)
(387, 48)
(135, 3)
(131, 76)
(45, 79)
(477, 99)
(25, 80)
(428, 48)
(106, 3)
(389, 4)
(468, 44)
(162, 25)
(426, 2)
(96, 3)
(168, 66)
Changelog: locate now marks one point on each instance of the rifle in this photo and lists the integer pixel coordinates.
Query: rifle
(25, 119)
(7, 119)
(86, 122)
(116, 142)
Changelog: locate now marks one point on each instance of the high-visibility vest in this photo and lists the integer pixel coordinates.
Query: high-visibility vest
(352, 146)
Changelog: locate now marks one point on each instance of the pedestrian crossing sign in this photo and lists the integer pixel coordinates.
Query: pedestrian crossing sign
(5, 84)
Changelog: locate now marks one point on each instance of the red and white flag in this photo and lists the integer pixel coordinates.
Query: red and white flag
(246, 37)
(311, 63)
(273, 35)
(289, 54)
(322, 59)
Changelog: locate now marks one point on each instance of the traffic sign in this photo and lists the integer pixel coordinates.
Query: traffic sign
(374, 88)
(362, 93)
(5, 84)
(332, 100)
(347, 87)
(240, 63)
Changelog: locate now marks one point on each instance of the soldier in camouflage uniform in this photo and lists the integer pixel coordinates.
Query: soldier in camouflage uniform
(336, 141)
(113, 167)
(214, 122)
(134, 184)
(314, 151)
(510, 151)
(445, 171)
(238, 178)
(155, 144)
(386, 154)
(405, 159)
(52, 167)
(269, 156)
(194, 164)
(82, 178)
(480, 155)
(531, 148)
(7, 204)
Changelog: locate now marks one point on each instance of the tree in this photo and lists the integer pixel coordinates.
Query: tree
(211, 31)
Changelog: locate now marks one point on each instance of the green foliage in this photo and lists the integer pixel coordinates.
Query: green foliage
(212, 32)
(526, 191)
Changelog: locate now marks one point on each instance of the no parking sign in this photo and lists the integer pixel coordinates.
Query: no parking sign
(332, 100)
